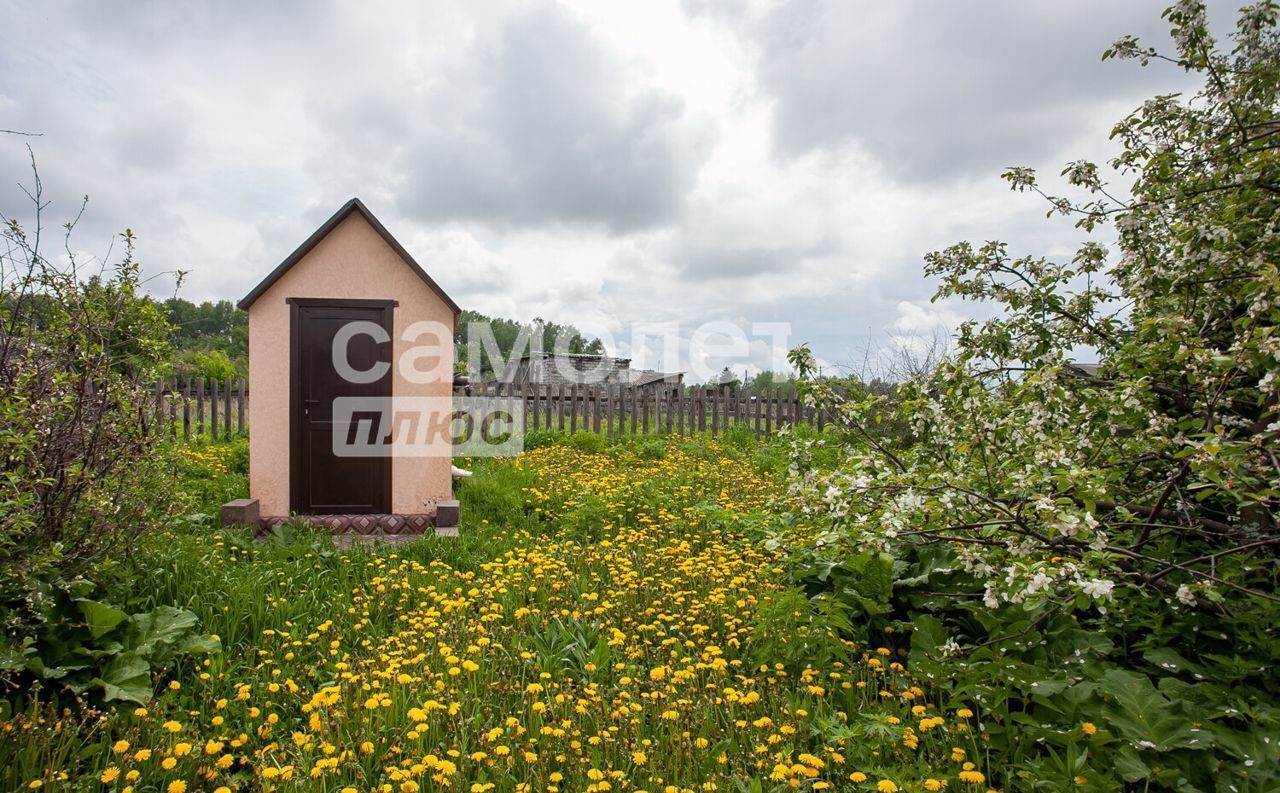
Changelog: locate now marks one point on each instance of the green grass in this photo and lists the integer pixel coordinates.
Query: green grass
(561, 551)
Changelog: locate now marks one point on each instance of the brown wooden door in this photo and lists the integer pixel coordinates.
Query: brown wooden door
(322, 482)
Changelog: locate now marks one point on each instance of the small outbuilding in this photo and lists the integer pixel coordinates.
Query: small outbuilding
(347, 319)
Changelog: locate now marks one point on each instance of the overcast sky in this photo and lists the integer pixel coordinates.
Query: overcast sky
(603, 164)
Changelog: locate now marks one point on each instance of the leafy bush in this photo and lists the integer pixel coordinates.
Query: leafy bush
(590, 442)
(207, 364)
(651, 449)
(739, 436)
(1089, 554)
(800, 632)
(537, 439)
(85, 645)
(82, 478)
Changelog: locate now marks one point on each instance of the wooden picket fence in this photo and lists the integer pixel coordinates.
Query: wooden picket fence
(628, 410)
(197, 407)
(218, 408)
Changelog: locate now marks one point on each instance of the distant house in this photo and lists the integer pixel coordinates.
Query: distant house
(1085, 370)
(550, 368)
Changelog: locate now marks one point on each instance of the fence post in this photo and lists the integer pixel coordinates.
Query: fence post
(555, 406)
(608, 410)
(627, 402)
(595, 409)
(213, 408)
(715, 411)
(573, 408)
(170, 397)
(239, 407)
(186, 408)
(560, 408)
(199, 393)
(624, 409)
(159, 399)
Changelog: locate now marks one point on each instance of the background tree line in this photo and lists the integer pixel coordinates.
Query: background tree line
(211, 339)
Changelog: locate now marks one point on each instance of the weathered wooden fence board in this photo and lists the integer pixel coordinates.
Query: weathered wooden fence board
(196, 407)
(218, 408)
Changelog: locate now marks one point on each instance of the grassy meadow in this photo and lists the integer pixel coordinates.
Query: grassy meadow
(609, 619)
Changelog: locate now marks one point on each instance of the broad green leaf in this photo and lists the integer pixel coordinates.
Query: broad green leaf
(1129, 765)
(1169, 660)
(1047, 687)
(99, 617)
(12, 658)
(927, 634)
(1144, 716)
(36, 666)
(157, 629)
(127, 677)
(206, 645)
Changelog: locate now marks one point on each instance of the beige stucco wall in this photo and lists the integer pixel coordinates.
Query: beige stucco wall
(352, 261)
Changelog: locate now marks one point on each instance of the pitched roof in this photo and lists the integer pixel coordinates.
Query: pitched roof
(354, 205)
(639, 377)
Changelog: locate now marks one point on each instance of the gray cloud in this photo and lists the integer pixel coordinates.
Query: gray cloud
(553, 159)
(536, 124)
(700, 259)
(943, 90)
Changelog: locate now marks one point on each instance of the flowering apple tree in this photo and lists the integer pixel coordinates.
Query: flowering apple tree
(1153, 473)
